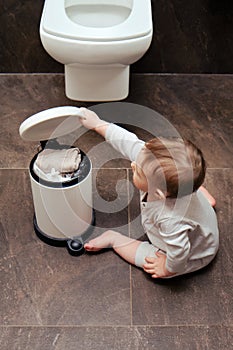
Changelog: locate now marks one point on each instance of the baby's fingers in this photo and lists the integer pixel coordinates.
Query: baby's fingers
(83, 110)
(151, 271)
(149, 268)
(150, 260)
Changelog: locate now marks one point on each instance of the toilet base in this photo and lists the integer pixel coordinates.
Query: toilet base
(96, 83)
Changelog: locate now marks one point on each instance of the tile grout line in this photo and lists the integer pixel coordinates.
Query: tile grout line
(24, 168)
(131, 296)
(230, 325)
(130, 267)
(128, 196)
(156, 74)
(120, 168)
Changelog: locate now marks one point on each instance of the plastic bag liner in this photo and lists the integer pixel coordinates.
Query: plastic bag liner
(64, 180)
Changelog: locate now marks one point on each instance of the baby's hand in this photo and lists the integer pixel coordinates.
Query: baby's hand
(157, 266)
(90, 119)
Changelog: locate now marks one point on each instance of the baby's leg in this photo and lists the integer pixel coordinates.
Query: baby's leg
(208, 196)
(124, 246)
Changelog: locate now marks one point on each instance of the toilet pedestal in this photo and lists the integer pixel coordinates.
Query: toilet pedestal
(111, 82)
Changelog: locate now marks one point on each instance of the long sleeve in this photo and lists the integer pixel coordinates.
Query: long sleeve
(178, 248)
(124, 141)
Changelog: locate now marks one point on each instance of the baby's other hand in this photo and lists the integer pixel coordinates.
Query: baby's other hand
(156, 266)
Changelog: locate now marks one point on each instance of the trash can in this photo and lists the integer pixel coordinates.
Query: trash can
(62, 196)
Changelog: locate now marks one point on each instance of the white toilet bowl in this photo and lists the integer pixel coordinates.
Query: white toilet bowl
(96, 40)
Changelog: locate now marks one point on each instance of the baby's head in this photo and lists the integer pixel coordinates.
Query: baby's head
(170, 167)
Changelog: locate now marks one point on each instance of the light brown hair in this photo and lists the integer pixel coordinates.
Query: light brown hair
(181, 164)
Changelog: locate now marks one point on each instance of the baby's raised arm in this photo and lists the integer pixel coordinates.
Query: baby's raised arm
(91, 121)
(122, 140)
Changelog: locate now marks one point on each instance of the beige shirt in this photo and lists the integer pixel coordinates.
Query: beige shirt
(185, 228)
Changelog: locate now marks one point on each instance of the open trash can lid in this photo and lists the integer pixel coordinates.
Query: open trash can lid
(50, 123)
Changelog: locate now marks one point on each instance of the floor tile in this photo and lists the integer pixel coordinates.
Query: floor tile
(117, 338)
(44, 285)
(198, 107)
(21, 96)
(204, 297)
(110, 193)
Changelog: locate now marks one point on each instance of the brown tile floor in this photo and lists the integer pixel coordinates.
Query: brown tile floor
(52, 300)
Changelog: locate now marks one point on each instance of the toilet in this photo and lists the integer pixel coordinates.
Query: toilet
(97, 41)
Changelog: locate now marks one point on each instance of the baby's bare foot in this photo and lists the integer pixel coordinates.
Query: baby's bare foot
(91, 246)
(208, 196)
(98, 243)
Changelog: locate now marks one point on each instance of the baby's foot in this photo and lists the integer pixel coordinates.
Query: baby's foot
(208, 196)
(98, 243)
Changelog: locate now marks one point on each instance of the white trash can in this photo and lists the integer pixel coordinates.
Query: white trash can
(63, 207)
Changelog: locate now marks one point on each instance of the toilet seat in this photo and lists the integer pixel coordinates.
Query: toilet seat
(131, 28)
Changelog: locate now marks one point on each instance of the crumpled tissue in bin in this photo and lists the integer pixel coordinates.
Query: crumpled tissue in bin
(57, 165)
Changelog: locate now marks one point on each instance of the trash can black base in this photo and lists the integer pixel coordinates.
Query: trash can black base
(75, 245)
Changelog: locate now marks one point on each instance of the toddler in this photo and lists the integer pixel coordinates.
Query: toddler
(176, 211)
